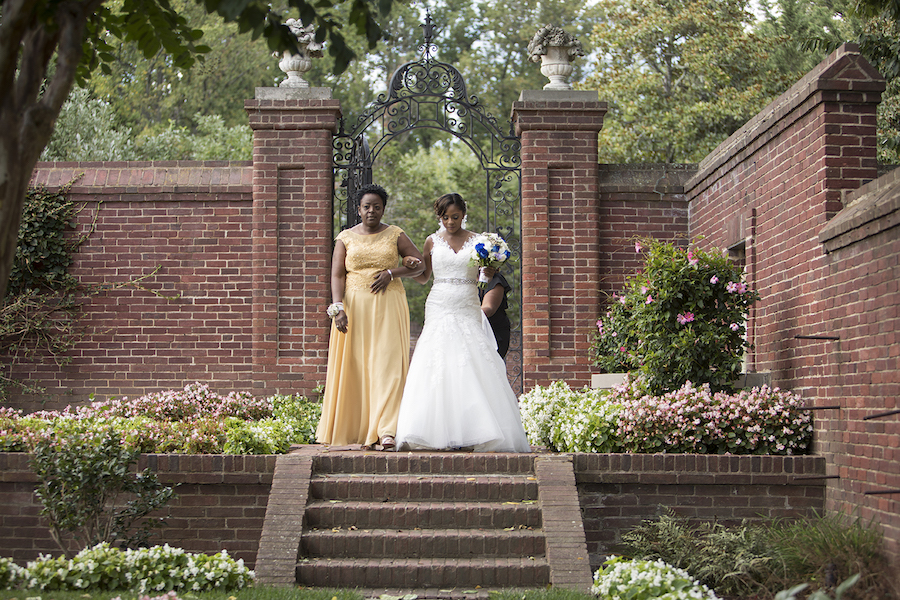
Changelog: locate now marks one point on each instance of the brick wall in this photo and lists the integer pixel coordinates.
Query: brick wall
(638, 201)
(232, 261)
(861, 306)
(221, 504)
(824, 260)
(183, 227)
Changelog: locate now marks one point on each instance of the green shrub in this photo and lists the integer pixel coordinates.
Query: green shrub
(681, 319)
(10, 573)
(88, 490)
(764, 558)
(194, 420)
(736, 560)
(587, 422)
(832, 548)
(539, 409)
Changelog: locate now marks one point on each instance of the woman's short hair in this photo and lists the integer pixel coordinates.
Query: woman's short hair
(372, 188)
(443, 204)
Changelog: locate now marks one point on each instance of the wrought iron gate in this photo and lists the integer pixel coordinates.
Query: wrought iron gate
(428, 94)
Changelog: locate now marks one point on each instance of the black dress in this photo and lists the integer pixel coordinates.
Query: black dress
(499, 321)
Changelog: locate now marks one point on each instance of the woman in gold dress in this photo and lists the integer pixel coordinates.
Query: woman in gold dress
(368, 351)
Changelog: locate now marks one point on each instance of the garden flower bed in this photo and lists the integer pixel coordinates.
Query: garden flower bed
(690, 420)
(194, 420)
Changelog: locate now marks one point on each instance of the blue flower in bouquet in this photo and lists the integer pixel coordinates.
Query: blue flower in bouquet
(490, 250)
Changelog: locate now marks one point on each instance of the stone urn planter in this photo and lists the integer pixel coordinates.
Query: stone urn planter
(555, 49)
(295, 64)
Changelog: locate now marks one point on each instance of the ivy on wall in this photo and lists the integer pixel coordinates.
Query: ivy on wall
(43, 300)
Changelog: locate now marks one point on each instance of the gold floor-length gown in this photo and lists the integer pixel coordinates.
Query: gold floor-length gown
(367, 365)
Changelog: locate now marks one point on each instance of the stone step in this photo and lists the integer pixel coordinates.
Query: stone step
(325, 514)
(416, 573)
(399, 487)
(439, 463)
(422, 543)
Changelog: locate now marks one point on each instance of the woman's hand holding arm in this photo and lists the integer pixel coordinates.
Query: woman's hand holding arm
(338, 283)
(425, 273)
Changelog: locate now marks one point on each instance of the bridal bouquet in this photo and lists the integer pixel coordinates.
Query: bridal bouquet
(490, 250)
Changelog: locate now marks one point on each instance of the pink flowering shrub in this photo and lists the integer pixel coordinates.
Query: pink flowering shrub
(680, 319)
(689, 420)
(194, 420)
(195, 401)
(694, 420)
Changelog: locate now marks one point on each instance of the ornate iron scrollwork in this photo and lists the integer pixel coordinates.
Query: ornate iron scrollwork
(429, 94)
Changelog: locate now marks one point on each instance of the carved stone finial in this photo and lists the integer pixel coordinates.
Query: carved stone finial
(294, 65)
(555, 48)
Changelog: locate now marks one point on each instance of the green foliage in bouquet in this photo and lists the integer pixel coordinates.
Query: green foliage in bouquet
(682, 318)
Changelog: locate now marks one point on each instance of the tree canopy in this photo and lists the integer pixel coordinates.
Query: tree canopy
(46, 45)
(679, 76)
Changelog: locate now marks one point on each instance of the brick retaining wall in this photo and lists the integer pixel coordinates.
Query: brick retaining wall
(221, 504)
(222, 499)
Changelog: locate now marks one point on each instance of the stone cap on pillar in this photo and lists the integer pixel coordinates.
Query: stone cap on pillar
(571, 110)
(293, 108)
(558, 96)
(280, 93)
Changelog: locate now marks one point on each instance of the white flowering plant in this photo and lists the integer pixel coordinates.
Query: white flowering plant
(146, 570)
(489, 250)
(692, 419)
(194, 420)
(681, 318)
(10, 573)
(622, 578)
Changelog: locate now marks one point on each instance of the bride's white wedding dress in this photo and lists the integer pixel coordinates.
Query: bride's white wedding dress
(457, 394)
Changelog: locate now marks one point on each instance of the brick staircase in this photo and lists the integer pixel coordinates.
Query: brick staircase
(424, 523)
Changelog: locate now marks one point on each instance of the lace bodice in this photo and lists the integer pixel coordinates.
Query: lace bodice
(454, 294)
(370, 254)
(448, 264)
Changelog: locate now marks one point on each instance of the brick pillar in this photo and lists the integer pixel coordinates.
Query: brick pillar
(560, 233)
(292, 182)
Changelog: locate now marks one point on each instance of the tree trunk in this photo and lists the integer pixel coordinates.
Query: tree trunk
(30, 102)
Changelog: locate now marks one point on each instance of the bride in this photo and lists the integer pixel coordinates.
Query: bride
(456, 394)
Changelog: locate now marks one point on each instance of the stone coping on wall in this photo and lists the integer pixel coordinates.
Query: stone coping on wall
(711, 468)
(138, 177)
(701, 469)
(171, 468)
(869, 210)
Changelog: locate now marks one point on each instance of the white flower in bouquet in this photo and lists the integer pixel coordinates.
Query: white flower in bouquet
(489, 250)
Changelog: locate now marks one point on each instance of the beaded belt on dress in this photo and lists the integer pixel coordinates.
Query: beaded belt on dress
(454, 280)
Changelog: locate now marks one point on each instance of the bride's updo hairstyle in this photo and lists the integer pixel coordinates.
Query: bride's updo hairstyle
(443, 204)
